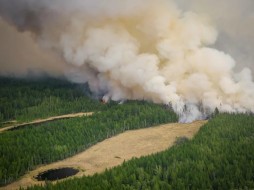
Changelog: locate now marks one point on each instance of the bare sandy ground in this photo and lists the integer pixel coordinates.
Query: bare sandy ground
(114, 151)
(37, 121)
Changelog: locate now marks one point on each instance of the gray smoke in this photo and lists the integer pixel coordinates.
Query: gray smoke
(234, 20)
(142, 49)
(21, 56)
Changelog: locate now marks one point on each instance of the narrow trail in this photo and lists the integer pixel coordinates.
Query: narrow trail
(113, 151)
(37, 121)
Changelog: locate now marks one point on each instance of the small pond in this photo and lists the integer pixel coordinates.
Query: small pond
(56, 174)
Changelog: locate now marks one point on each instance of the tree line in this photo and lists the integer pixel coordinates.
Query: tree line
(29, 99)
(23, 149)
(220, 156)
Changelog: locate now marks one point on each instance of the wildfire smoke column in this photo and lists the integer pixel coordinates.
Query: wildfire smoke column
(142, 49)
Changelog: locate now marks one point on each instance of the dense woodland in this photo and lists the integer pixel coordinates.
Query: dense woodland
(23, 149)
(220, 156)
(29, 99)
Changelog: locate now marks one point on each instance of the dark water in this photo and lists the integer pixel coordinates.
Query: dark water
(56, 174)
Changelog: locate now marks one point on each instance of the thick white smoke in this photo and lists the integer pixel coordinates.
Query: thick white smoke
(138, 49)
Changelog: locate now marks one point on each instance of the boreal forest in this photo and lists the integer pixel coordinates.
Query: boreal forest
(220, 156)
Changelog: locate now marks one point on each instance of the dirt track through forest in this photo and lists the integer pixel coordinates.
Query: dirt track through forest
(113, 151)
(38, 121)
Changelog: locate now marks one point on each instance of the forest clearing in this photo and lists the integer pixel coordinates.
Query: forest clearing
(126, 95)
(134, 137)
(38, 121)
(114, 151)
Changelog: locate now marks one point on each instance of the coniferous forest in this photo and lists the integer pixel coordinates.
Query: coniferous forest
(220, 156)
(28, 99)
(23, 149)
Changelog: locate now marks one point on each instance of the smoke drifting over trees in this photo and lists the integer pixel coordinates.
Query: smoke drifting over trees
(143, 49)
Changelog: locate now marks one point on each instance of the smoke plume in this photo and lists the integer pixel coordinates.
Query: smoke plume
(138, 49)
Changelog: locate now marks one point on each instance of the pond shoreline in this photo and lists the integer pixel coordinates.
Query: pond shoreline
(115, 150)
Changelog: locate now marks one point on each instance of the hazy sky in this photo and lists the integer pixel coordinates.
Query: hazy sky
(20, 55)
(234, 19)
(138, 49)
(235, 22)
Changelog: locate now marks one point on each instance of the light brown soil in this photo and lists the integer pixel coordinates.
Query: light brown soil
(37, 121)
(114, 151)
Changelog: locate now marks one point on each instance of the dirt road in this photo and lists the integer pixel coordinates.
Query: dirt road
(114, 151)
(37, 121)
